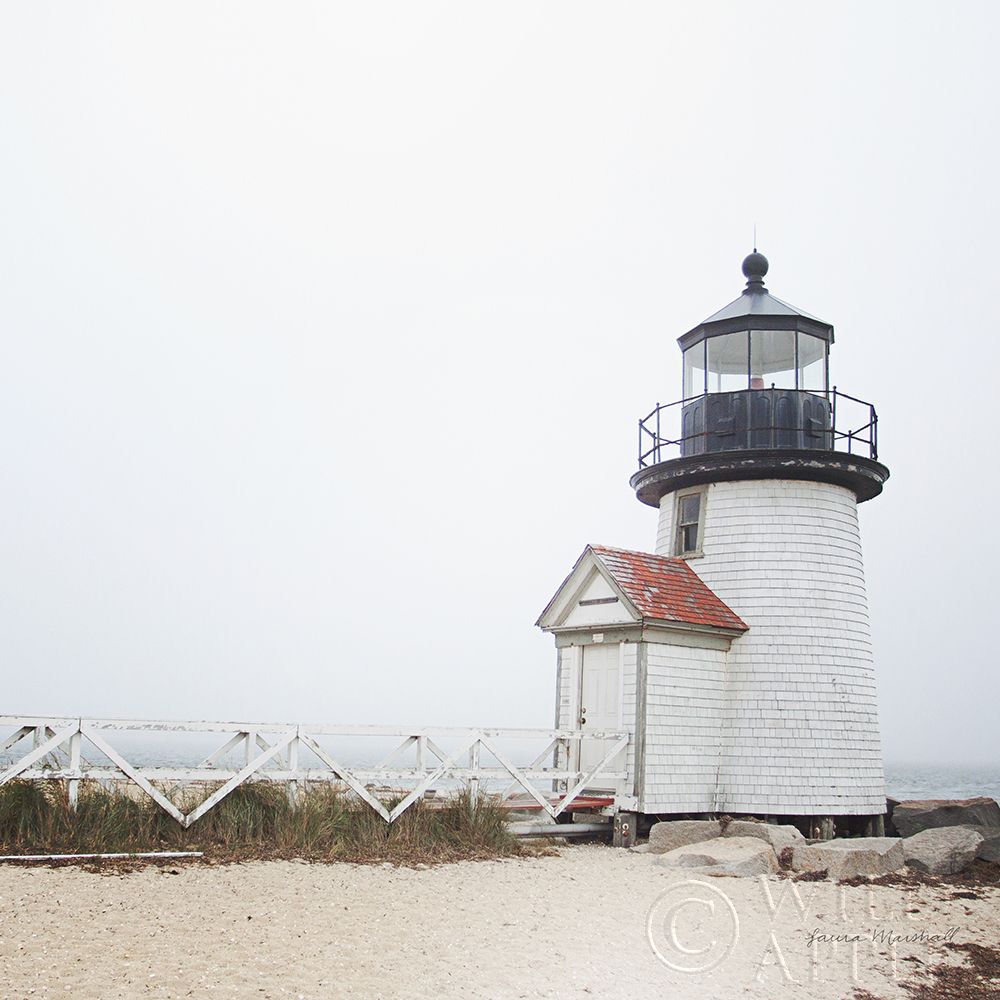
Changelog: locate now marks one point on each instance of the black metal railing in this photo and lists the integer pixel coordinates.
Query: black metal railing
(823, 421)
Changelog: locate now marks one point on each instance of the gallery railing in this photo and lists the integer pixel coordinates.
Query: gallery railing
(758, 419)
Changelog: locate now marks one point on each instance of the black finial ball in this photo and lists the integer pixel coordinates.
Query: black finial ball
(754, 266)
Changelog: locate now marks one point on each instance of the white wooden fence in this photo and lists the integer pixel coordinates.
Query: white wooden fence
(295, 755)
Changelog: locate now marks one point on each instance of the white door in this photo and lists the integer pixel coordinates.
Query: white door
(599, 694)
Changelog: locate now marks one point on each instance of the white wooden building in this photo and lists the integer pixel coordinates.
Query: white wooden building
(738, 655)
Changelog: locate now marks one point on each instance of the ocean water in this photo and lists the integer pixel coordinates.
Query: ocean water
(942, 781)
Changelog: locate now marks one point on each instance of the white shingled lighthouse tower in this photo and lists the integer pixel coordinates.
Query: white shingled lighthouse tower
(738, 656)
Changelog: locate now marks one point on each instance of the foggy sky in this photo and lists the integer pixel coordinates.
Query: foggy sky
(326, 329)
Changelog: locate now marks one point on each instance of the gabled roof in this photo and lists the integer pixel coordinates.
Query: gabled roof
(666, 588)
(657, 588)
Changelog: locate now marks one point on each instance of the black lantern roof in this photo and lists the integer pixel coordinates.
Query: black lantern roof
(756, 309)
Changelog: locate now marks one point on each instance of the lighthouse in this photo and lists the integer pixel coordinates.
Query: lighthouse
(737, 655)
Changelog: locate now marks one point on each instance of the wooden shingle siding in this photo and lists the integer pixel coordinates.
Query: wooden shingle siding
(685, 705)
(799, 730)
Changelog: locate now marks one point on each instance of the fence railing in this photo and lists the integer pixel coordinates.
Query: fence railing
(52, 749)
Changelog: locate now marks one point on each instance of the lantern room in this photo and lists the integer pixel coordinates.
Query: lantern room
(756, 374)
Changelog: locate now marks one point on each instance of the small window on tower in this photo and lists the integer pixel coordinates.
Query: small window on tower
(689, 520)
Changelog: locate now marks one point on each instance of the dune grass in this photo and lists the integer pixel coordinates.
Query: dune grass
(253, 821)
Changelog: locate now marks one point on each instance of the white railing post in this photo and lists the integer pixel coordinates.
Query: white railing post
(293, 767)
(74, 765)
(474, 768)
(421, 752)
(567, 762)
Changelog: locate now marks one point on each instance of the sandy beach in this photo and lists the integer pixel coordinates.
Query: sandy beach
(572, 925)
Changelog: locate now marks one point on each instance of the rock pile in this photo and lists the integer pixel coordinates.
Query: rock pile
(846, 857)
(915, 816)
(942, 851)
(938, 837)
(665, 837)
(980, 815)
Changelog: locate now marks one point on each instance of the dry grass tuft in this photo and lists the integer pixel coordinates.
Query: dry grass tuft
(255, 821)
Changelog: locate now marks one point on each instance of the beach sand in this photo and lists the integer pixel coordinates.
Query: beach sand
(572, 925)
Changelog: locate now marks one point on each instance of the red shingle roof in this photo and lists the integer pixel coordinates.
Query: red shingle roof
(666, 588)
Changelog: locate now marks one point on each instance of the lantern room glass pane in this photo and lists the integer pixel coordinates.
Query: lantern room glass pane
(694, 371)
(812, 363)
(728, 362)
(772, 359)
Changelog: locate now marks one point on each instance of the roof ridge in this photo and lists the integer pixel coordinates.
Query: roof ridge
(639, 552)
